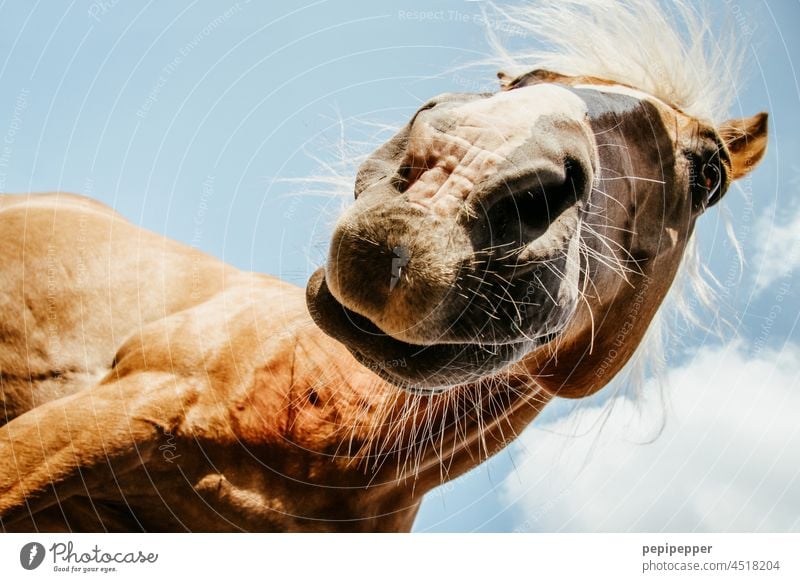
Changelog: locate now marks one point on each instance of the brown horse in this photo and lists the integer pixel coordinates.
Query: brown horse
(503, 249)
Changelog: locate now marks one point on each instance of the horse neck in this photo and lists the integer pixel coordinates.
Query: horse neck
(448, 434)
(392, 435)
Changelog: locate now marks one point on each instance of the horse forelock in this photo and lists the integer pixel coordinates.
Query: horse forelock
(668, 50)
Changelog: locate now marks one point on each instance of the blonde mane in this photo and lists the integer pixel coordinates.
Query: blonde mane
(667, 50)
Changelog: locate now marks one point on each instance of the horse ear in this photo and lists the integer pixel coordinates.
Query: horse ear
(508, 81)
(746, 140)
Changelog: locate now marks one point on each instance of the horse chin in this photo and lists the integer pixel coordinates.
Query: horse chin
(415, 368)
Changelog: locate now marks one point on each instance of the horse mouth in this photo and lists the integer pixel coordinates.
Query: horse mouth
(416, 368)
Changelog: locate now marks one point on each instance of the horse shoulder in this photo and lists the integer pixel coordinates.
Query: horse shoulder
(76, 279)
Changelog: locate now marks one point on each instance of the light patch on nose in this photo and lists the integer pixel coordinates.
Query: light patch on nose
(673, 236)
(451, 151)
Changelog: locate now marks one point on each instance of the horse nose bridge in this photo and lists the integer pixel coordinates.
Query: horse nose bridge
(454, 154)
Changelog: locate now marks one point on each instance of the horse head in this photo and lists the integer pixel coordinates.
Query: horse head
(534, 230)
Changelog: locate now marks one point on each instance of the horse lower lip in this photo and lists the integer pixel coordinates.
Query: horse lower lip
(431, 366)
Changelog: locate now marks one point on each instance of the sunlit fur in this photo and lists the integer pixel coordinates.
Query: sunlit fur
(412, 441)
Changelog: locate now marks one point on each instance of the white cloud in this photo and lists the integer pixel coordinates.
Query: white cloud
(728, 458)
(777, 247)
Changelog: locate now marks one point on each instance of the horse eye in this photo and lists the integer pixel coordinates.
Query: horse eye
(705, 179)
(713, 181)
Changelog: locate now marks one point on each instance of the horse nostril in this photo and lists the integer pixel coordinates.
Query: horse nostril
(523, 215)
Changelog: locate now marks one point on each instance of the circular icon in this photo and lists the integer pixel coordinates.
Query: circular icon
(31, 555)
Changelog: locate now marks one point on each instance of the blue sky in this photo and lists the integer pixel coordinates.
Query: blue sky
(192, 119)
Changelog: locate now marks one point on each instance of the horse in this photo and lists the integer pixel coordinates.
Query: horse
(503, 249)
